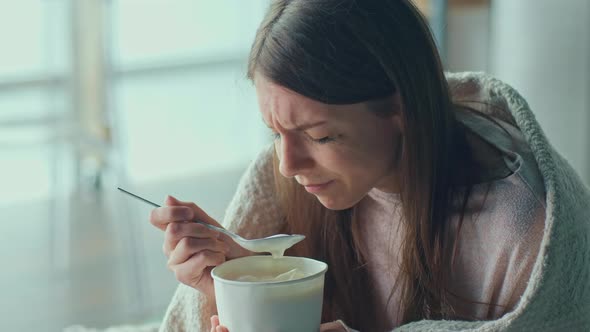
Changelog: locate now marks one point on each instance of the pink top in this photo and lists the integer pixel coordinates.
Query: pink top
(497, 244)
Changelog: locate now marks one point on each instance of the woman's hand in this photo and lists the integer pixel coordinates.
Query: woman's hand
(332, 327)
(193, 249)
(215, 327)
(326, 327)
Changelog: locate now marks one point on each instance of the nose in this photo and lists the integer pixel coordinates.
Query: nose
(293, 157)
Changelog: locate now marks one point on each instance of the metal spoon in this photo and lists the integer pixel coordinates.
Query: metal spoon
(275, 244)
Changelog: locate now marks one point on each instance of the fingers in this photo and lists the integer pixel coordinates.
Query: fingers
(162, 216)
(192, 249)
(214, 323)
(198, 213)
(175, 231)
(335, 326)
(190, 246)
(191, 272)
(176, 210)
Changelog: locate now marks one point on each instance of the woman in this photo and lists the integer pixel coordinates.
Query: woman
(425, 201)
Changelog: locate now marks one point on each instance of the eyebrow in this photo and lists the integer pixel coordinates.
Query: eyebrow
(302, 127)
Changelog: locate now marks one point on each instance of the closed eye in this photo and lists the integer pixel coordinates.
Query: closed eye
(323, 140)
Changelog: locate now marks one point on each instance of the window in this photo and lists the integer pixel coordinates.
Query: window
(33, 98)
(179, 87)
(149, 89)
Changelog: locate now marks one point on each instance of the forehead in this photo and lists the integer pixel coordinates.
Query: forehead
(289, 109)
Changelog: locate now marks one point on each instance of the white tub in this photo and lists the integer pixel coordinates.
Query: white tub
(286, 306)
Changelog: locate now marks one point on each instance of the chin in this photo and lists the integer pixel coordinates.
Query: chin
(336, 204)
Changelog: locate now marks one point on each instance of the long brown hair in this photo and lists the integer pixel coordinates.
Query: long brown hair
(347, 51)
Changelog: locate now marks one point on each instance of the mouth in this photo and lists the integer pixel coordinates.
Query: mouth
(317, 187)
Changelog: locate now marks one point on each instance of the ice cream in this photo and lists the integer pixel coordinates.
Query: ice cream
(286, 276)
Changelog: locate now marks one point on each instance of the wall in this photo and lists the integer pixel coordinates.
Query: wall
(542, 48)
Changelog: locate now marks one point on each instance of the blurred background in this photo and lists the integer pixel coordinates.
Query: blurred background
(151, 96)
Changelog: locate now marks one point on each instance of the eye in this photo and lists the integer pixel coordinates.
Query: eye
(274, 135)
(323, 140)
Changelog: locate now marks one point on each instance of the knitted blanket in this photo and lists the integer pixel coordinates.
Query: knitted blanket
(557, 297)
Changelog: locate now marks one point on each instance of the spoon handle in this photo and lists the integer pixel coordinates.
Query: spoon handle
(215, 228)
(219, 229)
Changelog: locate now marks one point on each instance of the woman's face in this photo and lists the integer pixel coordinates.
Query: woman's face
(337, 152)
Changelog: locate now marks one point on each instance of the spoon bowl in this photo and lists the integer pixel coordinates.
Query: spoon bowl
(275, 244)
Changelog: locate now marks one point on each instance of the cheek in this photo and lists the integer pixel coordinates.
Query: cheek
(356, 165)
(380, 148)
(363, 166)
(340, 160)
(369, 156)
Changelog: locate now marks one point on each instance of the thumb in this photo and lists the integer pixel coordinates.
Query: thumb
(198, 213)
(336, 326)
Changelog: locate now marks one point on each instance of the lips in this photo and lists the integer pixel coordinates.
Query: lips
(317, 187)
(314, 184)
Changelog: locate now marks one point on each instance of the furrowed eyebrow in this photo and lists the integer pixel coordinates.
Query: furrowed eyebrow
(301, 127)
(310, 125)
